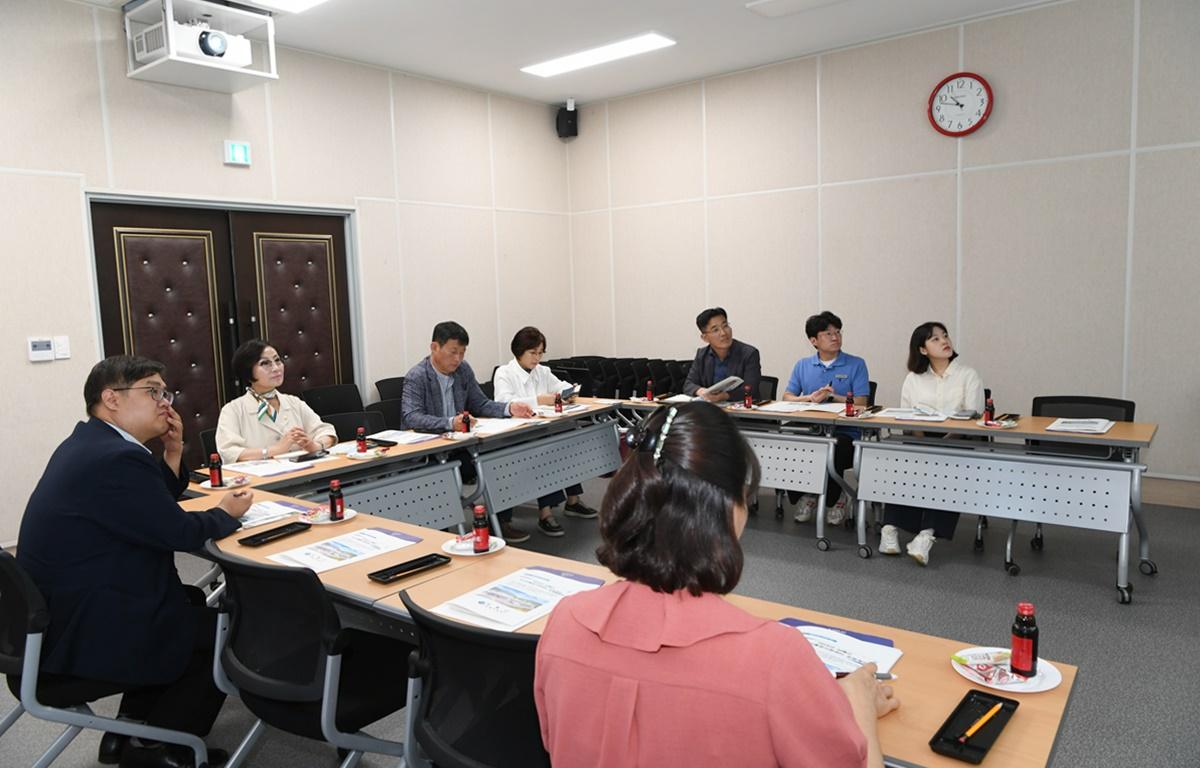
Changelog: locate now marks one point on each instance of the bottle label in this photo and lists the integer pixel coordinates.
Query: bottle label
(214, 477)
(337, 507)
(1022, 656)
(482, 544)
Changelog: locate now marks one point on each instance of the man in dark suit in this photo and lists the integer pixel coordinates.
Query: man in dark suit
(723, 357)
(441, 387)
(98, 538)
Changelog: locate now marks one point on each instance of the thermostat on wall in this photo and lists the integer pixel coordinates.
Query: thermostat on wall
(41, 349)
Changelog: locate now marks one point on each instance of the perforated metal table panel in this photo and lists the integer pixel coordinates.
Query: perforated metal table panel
(792, 462)
(1080, 493)
(431, 496)
(515, 475)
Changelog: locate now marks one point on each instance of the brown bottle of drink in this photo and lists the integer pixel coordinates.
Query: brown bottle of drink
(214, 471)
(747, 397)
(337, 505)
(361, 438)
(558, 402)
(480, 525)
(1024, 642)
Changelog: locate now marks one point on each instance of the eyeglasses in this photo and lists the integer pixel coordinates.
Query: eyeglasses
(275, 363)
(723, 328)
(156, 394)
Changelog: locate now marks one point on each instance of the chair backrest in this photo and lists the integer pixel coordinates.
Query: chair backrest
(641, 372)
(347, 424)
(1080, 407)
(871, 393)
(208, 441)
(391, 410)
(278, 617)
(768, 387)
(664, 382)
(390, 388)
(335, 398)
(477, 708)
(22, 611)
(489, 389)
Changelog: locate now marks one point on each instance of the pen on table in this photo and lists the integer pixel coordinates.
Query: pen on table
(878, 675)
(980, 723)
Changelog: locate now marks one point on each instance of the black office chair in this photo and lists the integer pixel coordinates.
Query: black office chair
(57, 698)
(768, 387)
(641, 372)
(664, 383)
(208, 442)
(282, 649)
(627, 378)
(391, 388)
(391, 410)
(347, 424)
(335, 398)
(871, 394)
(475, 706)
(612, 379)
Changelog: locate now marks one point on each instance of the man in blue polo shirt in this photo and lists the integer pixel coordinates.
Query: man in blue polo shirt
(829, 376)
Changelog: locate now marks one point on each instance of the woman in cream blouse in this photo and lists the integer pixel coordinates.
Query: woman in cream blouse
(525, 380)
(264, 422)
(939, 381)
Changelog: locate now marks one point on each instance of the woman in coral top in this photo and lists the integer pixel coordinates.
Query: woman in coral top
(659, 669)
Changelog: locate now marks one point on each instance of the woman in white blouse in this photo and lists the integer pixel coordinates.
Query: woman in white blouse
(939, 381)
(525, 380)
(264, 422)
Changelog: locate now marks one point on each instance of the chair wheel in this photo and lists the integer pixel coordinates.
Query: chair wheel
(978, 545)
(778, 513)
(864, 551)
(1036, 543)
(823, 544)
(1148, 567)
(1125, 595)
(1012, 568)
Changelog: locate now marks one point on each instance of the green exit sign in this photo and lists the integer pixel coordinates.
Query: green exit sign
(237, 152)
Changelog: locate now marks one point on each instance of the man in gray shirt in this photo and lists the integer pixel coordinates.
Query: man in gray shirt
(723, 357)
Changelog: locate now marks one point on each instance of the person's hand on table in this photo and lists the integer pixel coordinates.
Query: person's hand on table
(520, 410)
(456, 424)
(235, 503)
(311, 445)
(822, 394)
(860, 686)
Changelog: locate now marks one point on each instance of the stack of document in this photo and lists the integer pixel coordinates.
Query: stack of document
(911, 414)
(548, 411)
(268, 467)
(345, 549)
(844, 651)
(263, 512)
(1084, 426)
(496, 426)
(515, 600)
(793, 406)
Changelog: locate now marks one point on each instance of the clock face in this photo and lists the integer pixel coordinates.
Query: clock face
(960, 104)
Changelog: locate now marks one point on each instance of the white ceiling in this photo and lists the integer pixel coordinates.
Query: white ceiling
(484, 43)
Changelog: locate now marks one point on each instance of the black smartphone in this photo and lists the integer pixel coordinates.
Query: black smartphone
(311, 456)
(265, 537)
(198, 477)
(408, 568)
(952, 740)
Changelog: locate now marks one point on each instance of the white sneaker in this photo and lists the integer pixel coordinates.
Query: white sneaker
(918, 548)
(808, 508)
(889, 540)
(836, 515)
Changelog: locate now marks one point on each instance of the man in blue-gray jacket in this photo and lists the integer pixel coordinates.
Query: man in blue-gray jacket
(99, 538)
(441, 387)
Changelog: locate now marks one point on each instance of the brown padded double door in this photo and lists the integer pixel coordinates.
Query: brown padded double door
(187, 286)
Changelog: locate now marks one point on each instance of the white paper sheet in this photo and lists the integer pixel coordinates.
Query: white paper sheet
(792, 406)
(267, 467)
(517, 599)
(263, 512)
(345, 549)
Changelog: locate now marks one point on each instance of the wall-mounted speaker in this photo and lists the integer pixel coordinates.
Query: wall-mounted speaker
(567, 123)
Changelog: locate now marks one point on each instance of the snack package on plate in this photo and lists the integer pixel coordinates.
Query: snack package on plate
(990, 667)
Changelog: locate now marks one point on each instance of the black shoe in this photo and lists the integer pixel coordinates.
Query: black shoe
(549, 526)
(168, 756)
(111, 747)
(512, 534)
(579, 509)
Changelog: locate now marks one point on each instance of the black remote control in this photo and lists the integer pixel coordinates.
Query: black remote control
(408, 568)
(264, 537)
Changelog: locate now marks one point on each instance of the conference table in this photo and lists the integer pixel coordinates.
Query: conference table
(926, 684)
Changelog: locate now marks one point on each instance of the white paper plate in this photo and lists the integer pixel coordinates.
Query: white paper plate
(495, 544)
(1006, 424)
(370, 453)
(233, 481)
(1047, 678)
(348, 514)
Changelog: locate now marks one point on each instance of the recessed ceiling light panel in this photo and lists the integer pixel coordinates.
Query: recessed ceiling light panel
(776, 8)
(651, 41)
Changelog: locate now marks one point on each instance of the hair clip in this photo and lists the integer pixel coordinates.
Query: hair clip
(662, 435)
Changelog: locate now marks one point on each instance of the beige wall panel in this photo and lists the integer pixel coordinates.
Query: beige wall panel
(873, 120)
(656, 141)
(535, 279)
(592, 266)
(442, 145)
(658, 260)
(171, 140)
(531, 161)
(761, 128)
(1043, 283)
(449, 274)
(54, 274)
(1061, 77)
(332, 130)
(587, 155)
(1165, 346)
(763, 270)
(887, 254)
(1168, 99)
(50, 89)
(380, 286)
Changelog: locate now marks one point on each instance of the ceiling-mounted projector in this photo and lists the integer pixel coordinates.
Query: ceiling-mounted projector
(196, 39)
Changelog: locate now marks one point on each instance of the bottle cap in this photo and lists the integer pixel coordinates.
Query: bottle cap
(215, 457)
(1024, 609)
(479, 510)
(361, 430)
(335, 484)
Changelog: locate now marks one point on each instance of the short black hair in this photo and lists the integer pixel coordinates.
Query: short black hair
(246, 357)
(918, 363)
(117, 371)
(668, 523)
(526, 339)
(450, 331)
(817, 323)
(704, 317)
